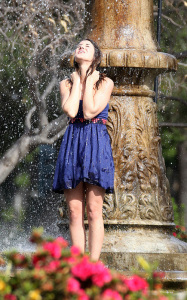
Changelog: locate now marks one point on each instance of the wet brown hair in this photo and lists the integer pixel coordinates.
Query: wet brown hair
(95, 63)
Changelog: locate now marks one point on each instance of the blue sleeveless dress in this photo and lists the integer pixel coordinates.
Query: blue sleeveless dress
(85, 155)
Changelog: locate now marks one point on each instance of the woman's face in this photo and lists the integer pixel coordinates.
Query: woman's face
(84, 51)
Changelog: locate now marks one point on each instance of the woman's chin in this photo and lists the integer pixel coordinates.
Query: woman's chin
(82, 58)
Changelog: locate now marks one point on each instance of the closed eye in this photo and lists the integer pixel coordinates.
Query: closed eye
(87, 45)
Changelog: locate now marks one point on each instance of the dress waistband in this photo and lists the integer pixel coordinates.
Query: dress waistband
(85, 121)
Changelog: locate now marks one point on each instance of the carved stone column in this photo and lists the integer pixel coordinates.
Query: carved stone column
(139, 216)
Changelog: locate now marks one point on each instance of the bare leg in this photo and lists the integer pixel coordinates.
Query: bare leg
(76, 205)
(94, 202)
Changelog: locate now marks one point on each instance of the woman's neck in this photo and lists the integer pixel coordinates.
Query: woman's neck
(83, 69)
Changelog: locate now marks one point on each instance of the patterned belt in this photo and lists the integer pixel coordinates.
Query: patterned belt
(85, 121)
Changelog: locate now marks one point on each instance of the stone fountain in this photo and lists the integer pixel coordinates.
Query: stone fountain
(139, 216)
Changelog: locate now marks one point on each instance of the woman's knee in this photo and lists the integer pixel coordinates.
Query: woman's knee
(75, 211)
(94, 202)
(75, 202)
(94, 211)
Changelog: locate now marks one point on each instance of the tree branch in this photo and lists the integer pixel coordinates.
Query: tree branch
(180, 55)
(171, 20)
(28, 119)
(49, 89)
(27, 143)
(168, 124)
(162, 96)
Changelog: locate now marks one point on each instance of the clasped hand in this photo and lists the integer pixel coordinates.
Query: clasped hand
(93, 78)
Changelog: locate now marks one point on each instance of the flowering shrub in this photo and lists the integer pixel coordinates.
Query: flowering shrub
(180, 233)
(56, 272)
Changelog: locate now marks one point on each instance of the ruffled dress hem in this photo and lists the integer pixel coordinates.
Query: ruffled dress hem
(108, 190)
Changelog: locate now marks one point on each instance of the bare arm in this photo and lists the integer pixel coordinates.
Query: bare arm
(70, 99)
(94, 104)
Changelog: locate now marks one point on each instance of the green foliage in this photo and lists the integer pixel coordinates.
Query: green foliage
(173, 40)
(22, 180)
(31, 156)
(179, 212)
(8, 214)
(170, 139)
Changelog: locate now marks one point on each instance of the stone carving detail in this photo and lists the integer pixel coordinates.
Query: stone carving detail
(141, 186)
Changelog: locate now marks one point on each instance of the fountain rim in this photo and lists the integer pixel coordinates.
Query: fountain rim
(130, 223)
(133, 58)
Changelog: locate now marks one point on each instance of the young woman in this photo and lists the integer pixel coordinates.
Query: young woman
(85, 167)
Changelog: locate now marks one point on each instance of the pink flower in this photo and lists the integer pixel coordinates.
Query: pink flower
(38, 259)
(163, 298)
(53, 248)
(82, 295)
(75, 251)
(73, 286)
(61, 242)
(136, 283)
(83, 270)
(70, 260)
(102, 275)
(10, 297)
(96, 271)
(159, 275)
(183, 228)
(35, 259)
(111, 295)
(174, 234)
(52, 266)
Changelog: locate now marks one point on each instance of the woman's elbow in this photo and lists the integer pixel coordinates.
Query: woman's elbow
(69, 113)
(88, 116)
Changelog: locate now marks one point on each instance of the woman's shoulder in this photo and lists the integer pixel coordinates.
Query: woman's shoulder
(107, 83)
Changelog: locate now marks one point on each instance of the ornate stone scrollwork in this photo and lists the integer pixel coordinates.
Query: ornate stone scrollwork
(141, 186)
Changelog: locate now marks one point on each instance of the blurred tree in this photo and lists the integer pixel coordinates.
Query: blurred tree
(35, 37)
